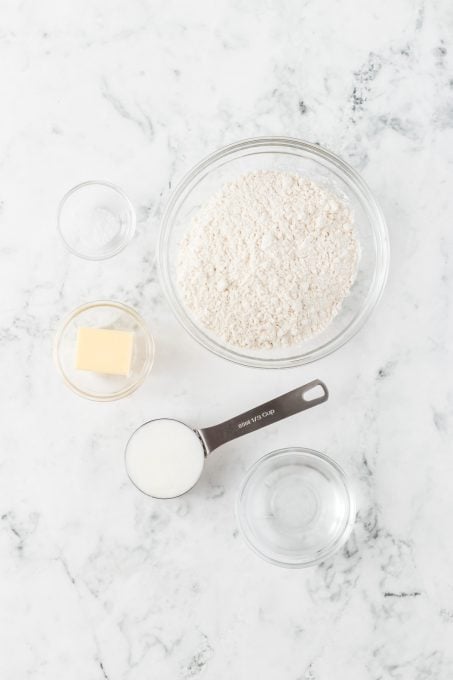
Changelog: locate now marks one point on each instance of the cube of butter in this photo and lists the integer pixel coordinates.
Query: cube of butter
(104, 351)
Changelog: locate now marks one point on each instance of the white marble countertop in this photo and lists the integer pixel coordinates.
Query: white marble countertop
(96, 580)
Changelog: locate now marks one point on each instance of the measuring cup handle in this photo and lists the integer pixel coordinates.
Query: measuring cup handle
(272, 411)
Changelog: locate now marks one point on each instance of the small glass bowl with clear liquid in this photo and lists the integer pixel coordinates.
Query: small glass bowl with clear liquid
(295, 507)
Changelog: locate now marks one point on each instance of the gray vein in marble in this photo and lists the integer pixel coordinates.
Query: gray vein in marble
(302, 107)
(66, 569)
(144, 121)
(407, 128)
(104, 674)
(387, 370)
(363, 79)
(446, 615)
(440, 421)
(420, 17)
(21, 529)
(19, 538)
(200, 659)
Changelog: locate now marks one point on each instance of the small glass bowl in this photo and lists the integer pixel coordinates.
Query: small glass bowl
(295, 507)
(96, 220)
(114, 316)
(307, 160)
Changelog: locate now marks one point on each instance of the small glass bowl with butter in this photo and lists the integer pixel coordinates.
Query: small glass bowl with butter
(104, 350)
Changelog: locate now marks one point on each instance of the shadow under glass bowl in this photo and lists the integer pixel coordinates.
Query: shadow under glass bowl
(306, 160)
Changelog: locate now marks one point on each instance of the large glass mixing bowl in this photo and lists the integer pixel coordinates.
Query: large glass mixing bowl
(307, 160)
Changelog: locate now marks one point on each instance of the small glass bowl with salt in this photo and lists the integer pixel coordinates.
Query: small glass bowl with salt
(96, 220)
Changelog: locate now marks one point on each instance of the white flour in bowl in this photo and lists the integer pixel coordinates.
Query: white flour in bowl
(268, 260)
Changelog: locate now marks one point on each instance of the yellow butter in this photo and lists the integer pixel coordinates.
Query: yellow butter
(104, 351)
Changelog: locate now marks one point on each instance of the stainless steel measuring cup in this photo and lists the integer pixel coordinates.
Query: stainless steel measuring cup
(165, 457)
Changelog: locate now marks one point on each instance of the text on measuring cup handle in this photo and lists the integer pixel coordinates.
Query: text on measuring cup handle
(255, 419)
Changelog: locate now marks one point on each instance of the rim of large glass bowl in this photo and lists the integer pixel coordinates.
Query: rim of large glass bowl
(369, 204)
(330, 548)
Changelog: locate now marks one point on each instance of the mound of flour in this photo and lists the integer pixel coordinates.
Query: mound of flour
(268, 260)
